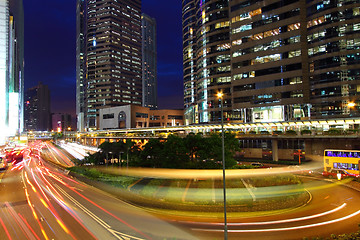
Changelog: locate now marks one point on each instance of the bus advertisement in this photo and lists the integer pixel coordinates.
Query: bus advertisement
(347, 160)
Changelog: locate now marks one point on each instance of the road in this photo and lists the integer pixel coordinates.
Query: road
(333, 209)
(39, 201)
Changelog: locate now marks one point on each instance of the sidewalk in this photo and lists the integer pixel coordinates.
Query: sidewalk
(354, 185)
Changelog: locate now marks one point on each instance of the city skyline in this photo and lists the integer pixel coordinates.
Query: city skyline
(50, 51)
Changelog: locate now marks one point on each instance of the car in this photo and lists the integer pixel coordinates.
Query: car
(338, 173)
(257, 165)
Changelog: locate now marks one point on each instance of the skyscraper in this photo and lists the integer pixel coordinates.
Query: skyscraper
(149, 62)
(37, 115)
(80, 62)
(112, 74)
(11, 68)
(206, 60)
(284, 60)
(295, 59)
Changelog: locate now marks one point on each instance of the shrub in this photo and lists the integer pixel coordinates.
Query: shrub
(277, 132)
(334, 131)
(305, 131)
(290, 132)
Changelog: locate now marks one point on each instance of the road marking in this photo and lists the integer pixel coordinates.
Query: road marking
(87, 211)
(118, 235)
(186, 190)
(249, 188)
(130, 186)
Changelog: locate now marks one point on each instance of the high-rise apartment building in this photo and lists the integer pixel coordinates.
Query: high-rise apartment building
(288, 59)
(149, 62)
(37, 115)
(11, 68)
(111, 32)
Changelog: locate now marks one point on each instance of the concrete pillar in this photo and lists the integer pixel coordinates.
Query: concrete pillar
(275, 150)
(308, 150)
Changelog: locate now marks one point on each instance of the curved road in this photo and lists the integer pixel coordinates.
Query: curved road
(333, 209)
(40, 201)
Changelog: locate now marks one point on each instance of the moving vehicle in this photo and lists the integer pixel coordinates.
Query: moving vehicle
(347, 160)
(338, 173)
(3, 162)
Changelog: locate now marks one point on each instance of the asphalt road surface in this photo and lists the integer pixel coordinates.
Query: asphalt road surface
(40, 201)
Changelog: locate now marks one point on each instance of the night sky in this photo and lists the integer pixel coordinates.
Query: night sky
(50, 50)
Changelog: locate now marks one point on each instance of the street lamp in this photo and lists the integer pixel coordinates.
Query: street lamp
(220, 96)
(351, 104)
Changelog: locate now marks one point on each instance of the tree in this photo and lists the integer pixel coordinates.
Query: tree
(175, 153)
(194, 144)
(152, 153)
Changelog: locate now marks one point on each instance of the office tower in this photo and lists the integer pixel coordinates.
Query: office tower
(61, 122)
(290, 59)
(112, 74)
(149, 62)
(80, 62)
(206, 60)
(295, 59)
(37, 115)
(11, 68)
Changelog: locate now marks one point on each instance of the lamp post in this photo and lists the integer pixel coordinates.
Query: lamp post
(350, 105)
(220, 96)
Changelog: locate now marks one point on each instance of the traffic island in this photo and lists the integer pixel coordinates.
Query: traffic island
(187, 196)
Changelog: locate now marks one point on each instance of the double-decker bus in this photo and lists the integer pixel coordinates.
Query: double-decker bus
(342, 159)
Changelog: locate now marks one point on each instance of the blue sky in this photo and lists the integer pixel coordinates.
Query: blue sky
(50, 50)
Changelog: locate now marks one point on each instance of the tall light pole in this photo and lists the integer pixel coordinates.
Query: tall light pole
(220, 96)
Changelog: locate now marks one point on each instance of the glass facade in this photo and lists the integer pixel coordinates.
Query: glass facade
(206, 57)
(149, 62)
(11, 68)
(113, 67)
(333, 29)
(274, 60)
(4, 81)
(81, 15)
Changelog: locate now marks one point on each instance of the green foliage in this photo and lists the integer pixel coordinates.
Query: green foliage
(277, 132)
(193, 151)
(334, 131)
(305, 131)
(290, 132)
(352, 131)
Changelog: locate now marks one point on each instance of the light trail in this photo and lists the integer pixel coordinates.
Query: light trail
(274, 222)
(282, 229)
(5, 229)
(198, 173)
(19, 221)
(106, 211)
(27, 224)
(49, 206)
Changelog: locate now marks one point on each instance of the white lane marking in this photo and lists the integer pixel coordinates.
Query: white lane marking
(248, 187)
(87, 211)
(115, 233)
(123, 235)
